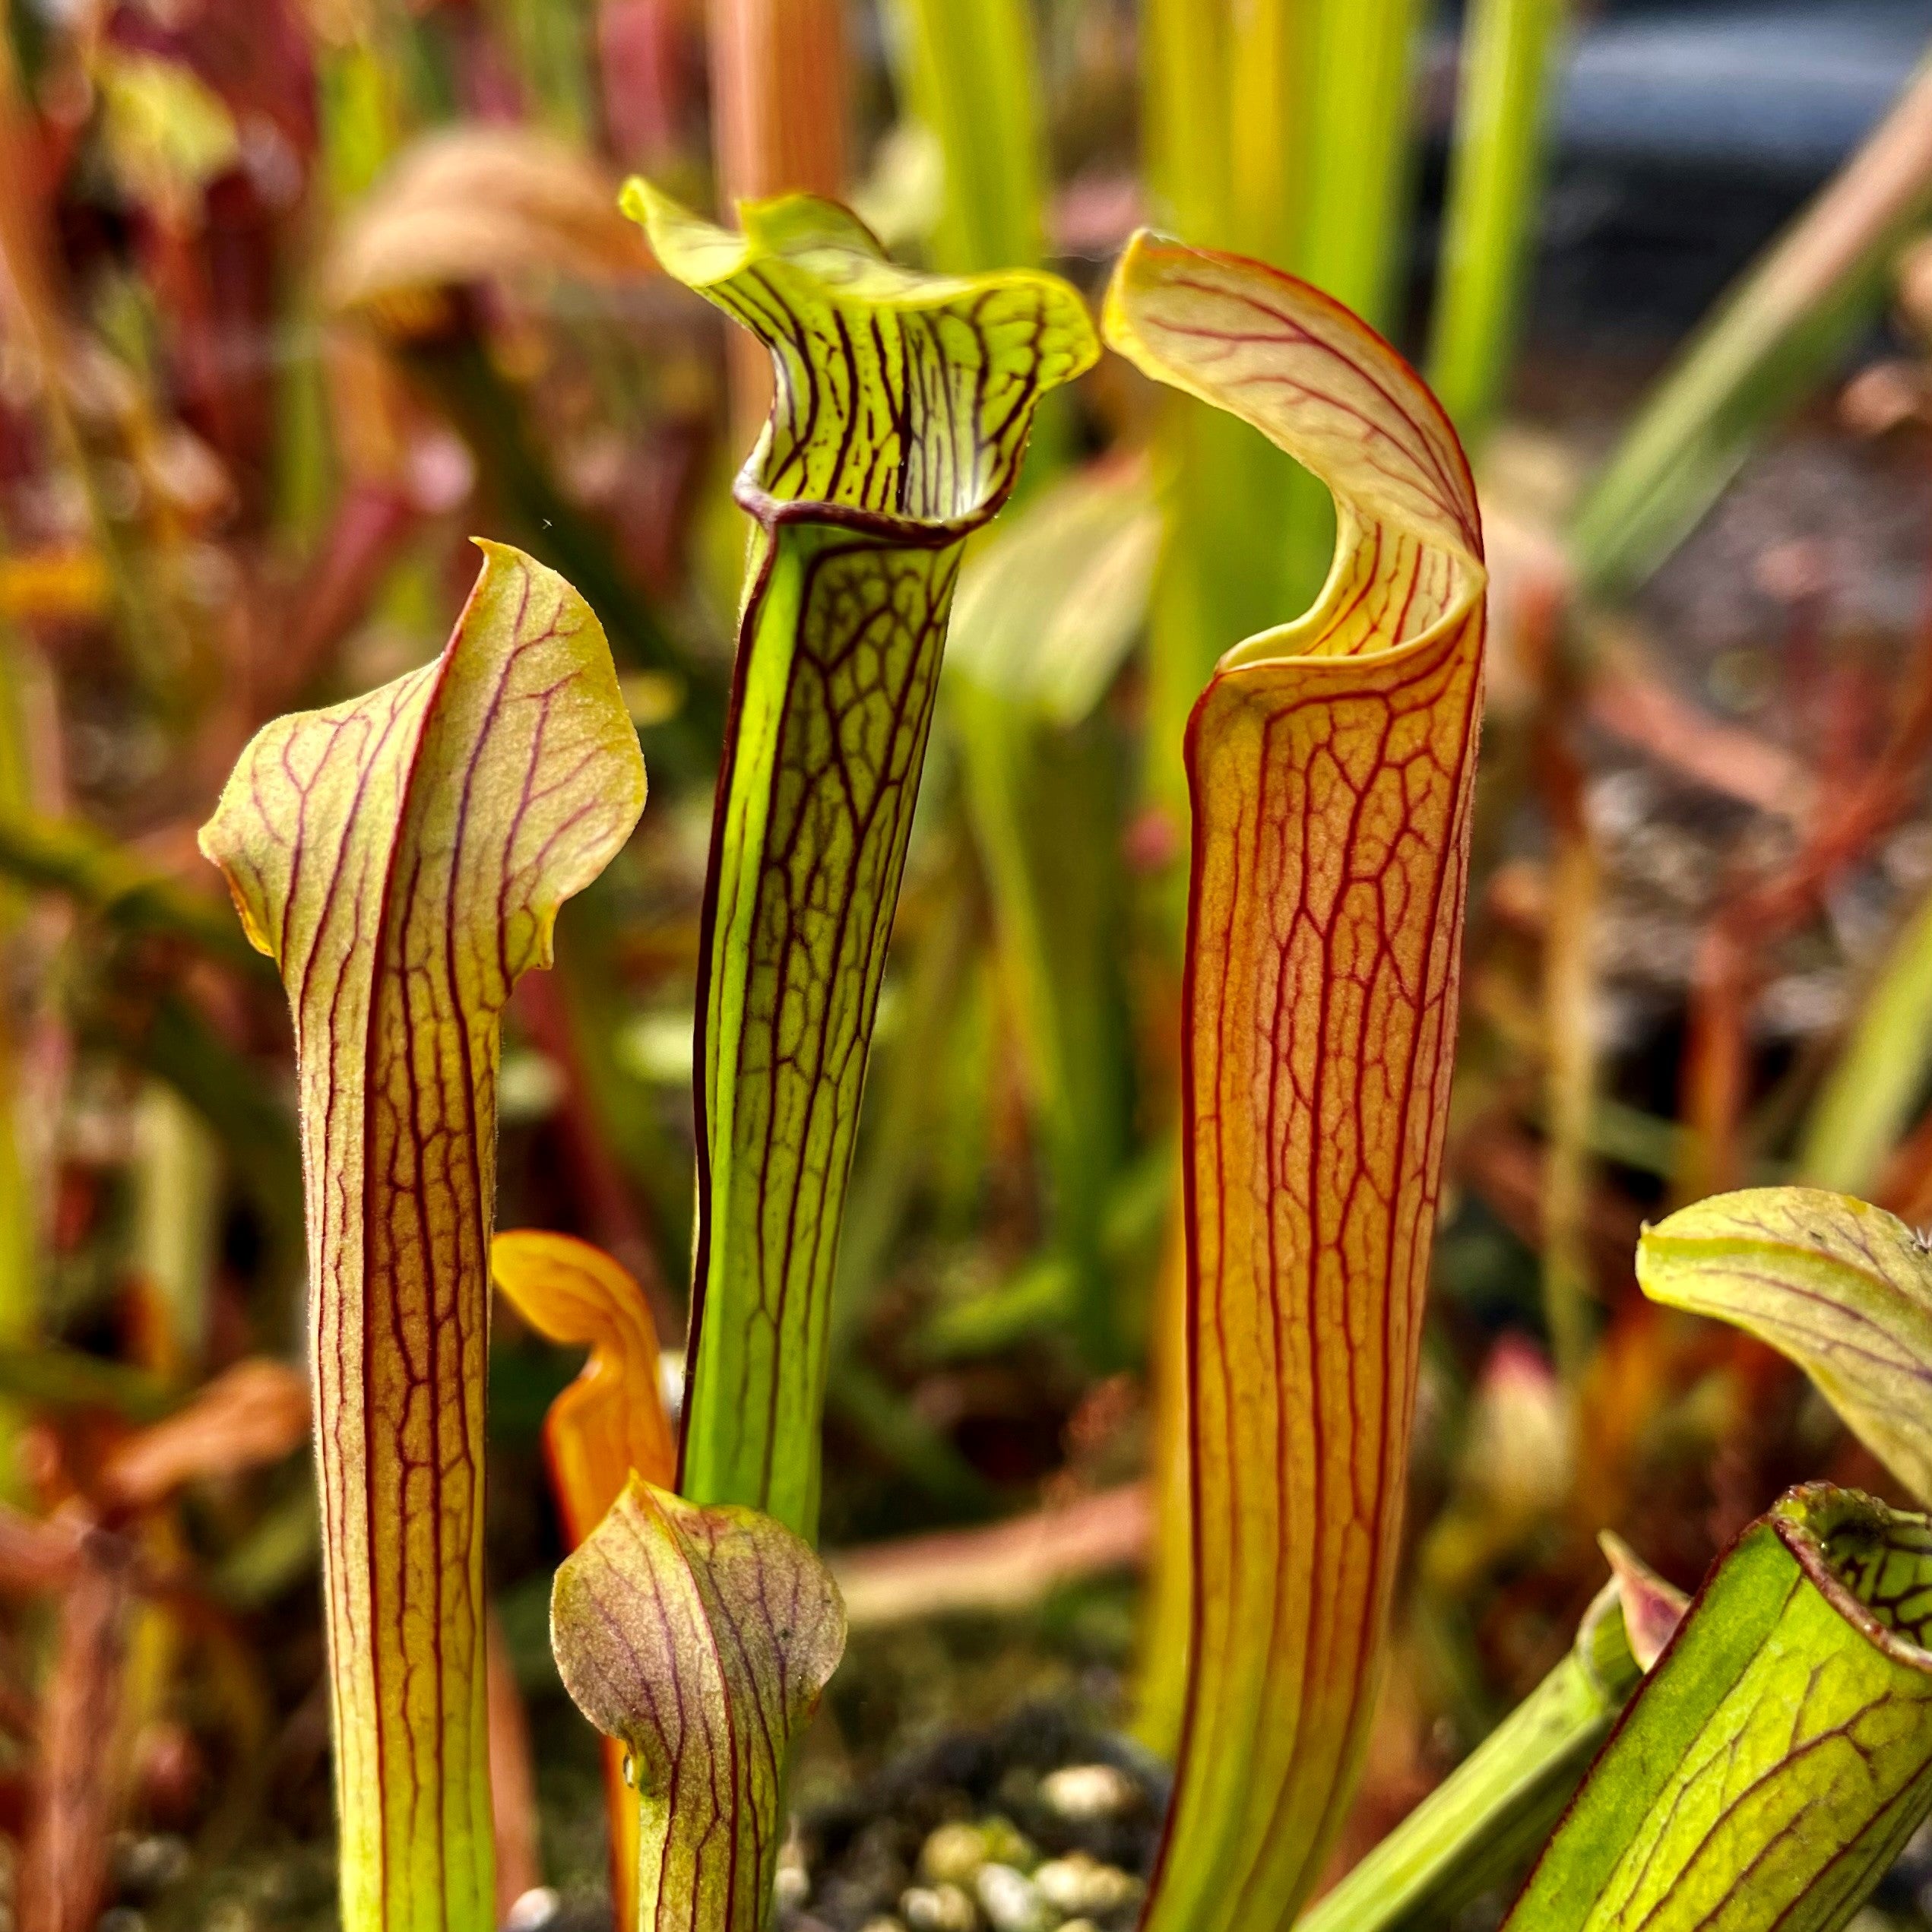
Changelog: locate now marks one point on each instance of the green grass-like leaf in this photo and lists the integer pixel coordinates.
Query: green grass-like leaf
(1790, 320)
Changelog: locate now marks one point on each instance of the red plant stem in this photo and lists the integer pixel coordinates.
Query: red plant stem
(1627, 700)
(778, 76)
(1500, 1162)
(1002, 1567)
(1729, 967)
(1569, 987)
(64, 1870)
(512, 1777)
(648, 53)
(779, 107)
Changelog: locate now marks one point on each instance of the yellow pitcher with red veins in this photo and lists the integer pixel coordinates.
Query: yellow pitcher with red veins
(1330, 764)
(401, 858)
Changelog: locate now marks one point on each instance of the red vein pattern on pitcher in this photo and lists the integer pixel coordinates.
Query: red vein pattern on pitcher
(1330, 764)
(901, 408)
(402, 858)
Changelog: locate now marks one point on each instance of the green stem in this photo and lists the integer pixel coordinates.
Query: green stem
(1481, 1825)
(1494, 181)
(1042, 803)
(177, 1216)
(20, 1216)
(968, 73)
(1866, 1100)
(48, 1376)
(172, 1041)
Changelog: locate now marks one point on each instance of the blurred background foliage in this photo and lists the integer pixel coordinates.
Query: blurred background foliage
(295, 294)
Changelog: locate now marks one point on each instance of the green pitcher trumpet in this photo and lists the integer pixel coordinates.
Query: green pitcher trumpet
(901, 413)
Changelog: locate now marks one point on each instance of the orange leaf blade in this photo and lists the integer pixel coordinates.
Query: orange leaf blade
(611, 1419)
(609, 1423)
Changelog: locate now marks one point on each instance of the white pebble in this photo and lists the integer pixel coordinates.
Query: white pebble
(938, 1909)
(953, 1855)
(1088, 1791)
(533, 1910)
(1010, 1900)
(1081, 1887)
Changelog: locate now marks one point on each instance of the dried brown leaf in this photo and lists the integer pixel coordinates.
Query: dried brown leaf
(465, 203)
(256, 1412)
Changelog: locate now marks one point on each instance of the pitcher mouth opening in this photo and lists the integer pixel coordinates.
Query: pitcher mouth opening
(902, 401)
(1828, 1530)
